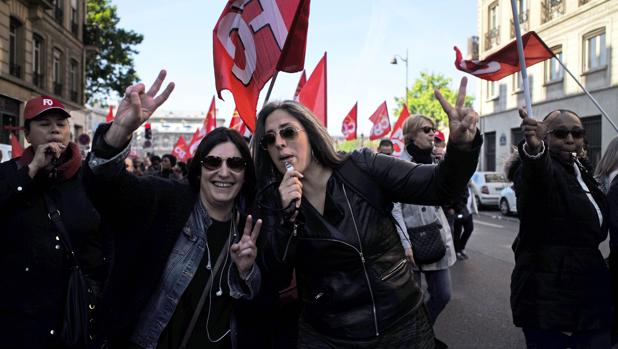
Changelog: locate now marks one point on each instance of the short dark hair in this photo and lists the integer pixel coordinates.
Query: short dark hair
(171, 158)
(385, 143)
(215, 137)
(154, 158)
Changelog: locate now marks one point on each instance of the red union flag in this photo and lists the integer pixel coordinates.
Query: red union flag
(237, 124)
(348, 127)
(397, 134)
(181, 149)
(301, 82)
(210, 123)
(313, 94)
(505, 61)
(381, 124)
(253, 39)
(110, 115)
(16, 149)
(198, 135)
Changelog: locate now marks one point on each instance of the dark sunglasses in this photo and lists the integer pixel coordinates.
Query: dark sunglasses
(428, 129)
(563, 133)
(288, 133)
(234, 163)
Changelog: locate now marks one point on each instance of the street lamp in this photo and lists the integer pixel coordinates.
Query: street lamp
(394, 61)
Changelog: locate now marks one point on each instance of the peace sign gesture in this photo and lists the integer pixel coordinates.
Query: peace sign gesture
(136, 107)
(244, 251)
(462, 120)
(534, 131)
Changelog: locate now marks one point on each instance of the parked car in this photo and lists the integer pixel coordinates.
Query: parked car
(486, 187)
(508, 201)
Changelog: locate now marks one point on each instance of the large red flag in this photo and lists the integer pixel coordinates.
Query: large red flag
(505, 61)
(16, 147)
(198, 135)
(313, 94)
(253, 39)
(210, 122)
(110, 115)
(301, 82)
(181, 149)
(237, 124)
(381, 124)
(397, 134)
(348, 127)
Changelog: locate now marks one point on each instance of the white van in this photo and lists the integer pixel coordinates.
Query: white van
(5, 150)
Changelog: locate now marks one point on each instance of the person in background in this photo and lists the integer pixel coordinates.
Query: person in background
(168, 161)
(439, 145)
(155, 165)
(385, 147)
(34, 261)
(128, 165)
(560, 286)
(180, 171)
(463, 224)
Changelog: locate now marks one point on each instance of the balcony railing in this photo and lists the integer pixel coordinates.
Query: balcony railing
(523, 23)
(75, 28)
(37, 79)
(492, 38)
(551, 9)
(58, 88)
(59, 15)
(74, 96)
(15, 70)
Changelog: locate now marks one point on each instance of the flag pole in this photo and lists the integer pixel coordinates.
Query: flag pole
(522, 58)
(270, 87)
(596, 103)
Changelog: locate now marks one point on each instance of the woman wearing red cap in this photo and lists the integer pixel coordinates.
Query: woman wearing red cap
(35, 254)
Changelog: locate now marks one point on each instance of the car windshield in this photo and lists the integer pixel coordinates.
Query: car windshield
(495, 177)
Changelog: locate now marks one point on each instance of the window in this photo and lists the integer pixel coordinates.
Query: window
(74, 19)
(493, 16)
(57, 72)
(73, 79)
(518, 84)
(58, 11)
(595, 50)
(553, 70)
(15, 43)
(37, 59)
(492, 91)
(492, 37)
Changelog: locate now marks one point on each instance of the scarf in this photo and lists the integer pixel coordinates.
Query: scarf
(420, 156)
(70, 162)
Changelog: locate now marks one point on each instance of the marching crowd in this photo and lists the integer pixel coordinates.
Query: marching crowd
(287, 243)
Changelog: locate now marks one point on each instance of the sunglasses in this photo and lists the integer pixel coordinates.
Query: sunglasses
(428, 129)
(562, 133)
(289, 133)
(234, 163)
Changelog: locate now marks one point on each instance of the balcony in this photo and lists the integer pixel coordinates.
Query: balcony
(75, 28)
(15, 70)
(74, 96)
(46, 4)
(57, 88)
(523, 23)
(492, 38)
(37, 79)
(552, 9)
(59, 15)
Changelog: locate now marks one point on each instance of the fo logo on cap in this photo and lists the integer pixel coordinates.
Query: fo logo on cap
(38, 105)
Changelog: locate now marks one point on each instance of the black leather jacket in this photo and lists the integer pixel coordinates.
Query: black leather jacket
(351, 270)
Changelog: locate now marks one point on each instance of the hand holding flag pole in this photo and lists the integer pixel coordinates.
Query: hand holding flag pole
(522, 59)
(461, 119)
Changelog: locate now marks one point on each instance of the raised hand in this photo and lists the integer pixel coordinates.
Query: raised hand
(44, 155)
(534, 131)
(244, 251)
(462, 120)
(136, 107)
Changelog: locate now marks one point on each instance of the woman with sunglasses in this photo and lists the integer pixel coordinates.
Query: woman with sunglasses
(328, 216)
(182, 252)
(560, 286)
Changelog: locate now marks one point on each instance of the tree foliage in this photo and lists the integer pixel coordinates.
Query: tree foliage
(422, 100)
(109, 59)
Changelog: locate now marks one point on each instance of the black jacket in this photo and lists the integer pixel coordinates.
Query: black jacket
(33, 262)
(356, 283)
(560, 280)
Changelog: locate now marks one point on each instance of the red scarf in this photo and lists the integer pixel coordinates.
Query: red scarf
(66, 170)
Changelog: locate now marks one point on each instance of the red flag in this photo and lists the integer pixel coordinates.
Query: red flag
(110, 115)
(16, 147)
(397, 134)
(210, 122)
(181, 150)
(505, 61)
(237, 124)
(251, 40)
(198, 135)
(348, 127)
(313, 94)
(381, 124)
(301, 82)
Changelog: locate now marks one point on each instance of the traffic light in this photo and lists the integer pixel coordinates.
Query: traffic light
(147, 131)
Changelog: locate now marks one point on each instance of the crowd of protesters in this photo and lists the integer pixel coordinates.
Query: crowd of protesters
(288, 243)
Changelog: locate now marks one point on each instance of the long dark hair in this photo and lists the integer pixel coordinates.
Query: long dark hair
(214, 138)
(321, 143)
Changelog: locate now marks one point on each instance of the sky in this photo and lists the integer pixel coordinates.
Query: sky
(361, 38)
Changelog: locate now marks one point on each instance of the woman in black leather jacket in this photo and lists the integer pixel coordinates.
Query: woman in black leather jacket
(560, 286)
(328, 216)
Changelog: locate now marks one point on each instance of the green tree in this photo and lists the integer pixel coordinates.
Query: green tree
(422, 100)
(109, 64)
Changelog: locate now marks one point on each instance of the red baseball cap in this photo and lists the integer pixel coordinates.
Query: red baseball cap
(439, 135)
(38, 105)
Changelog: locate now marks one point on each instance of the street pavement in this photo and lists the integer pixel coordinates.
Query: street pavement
(479, 313)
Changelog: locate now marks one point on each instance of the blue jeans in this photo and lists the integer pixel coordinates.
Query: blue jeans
(549, 339)
(439, 289)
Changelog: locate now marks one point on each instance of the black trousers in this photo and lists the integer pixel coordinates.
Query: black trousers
(462, 229)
